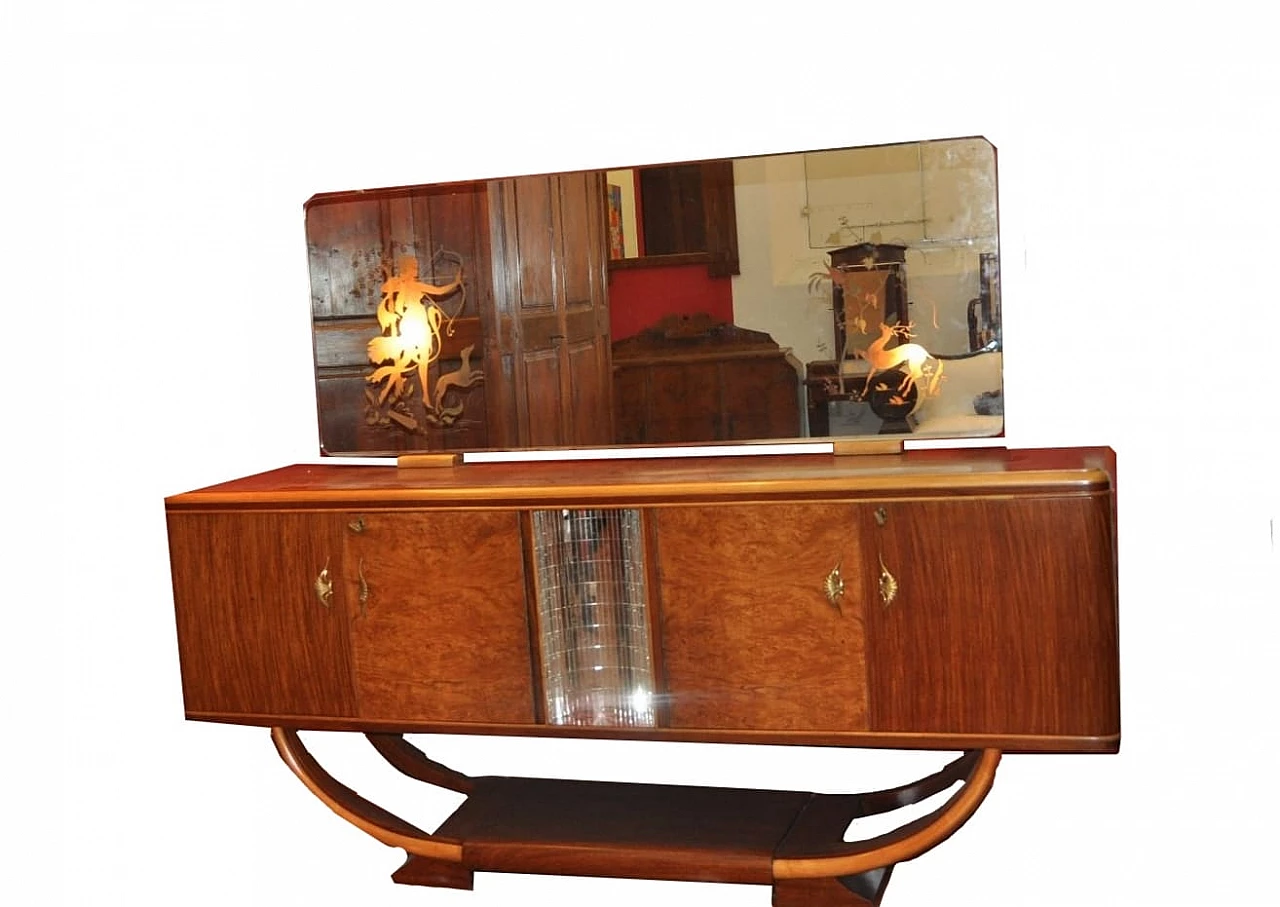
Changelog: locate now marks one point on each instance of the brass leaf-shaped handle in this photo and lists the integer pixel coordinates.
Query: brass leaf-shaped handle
(833, 585)
(888, 585)
(324, 587)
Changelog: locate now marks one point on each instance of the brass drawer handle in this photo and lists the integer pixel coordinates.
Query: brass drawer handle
(833, 585)
(356, 525)
(324, 587)
(888, 585)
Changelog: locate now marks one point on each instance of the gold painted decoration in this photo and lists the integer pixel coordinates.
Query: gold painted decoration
(863, 289)
(920, 368)
(412, 325)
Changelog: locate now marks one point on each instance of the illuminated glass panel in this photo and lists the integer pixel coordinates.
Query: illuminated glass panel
(597, 668)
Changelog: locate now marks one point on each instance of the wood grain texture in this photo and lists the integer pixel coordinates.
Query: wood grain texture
(1005, 620)
(550, 324)
(622, 830)
(1007, 742)
(252, 635)
(914, 475)
(749, 638)
(443, 635)
(1003, 633)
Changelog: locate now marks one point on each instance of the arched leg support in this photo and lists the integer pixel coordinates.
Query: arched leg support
(788, 839)
(409, 760)
(370, 818)
(815, 850)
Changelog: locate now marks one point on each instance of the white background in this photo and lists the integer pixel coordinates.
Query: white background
(157, 300)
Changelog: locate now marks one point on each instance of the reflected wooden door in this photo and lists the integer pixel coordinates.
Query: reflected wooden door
(551, 365)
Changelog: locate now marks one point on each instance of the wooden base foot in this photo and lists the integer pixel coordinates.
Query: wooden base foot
(434, 873)
(863, 890)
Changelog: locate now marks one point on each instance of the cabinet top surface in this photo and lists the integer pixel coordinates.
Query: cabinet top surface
(621, 482)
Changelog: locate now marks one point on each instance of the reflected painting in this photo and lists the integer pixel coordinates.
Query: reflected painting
(843, 293)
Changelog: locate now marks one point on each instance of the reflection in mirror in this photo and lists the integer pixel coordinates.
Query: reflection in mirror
(851, 292)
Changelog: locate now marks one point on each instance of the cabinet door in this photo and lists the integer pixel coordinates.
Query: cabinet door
(439, 628)
(254, 636)
(749, 639)
(1003, 621)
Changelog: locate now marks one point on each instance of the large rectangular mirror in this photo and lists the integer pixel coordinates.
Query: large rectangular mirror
(848, 293)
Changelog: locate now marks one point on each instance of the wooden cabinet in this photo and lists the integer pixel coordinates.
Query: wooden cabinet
(955, 600)
(690, 379)
(936, 600)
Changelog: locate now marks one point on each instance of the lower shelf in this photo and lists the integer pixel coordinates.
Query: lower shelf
(646, 831)
(792, 840)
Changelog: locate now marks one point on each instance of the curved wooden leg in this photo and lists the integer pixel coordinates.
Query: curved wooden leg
(815, 848)
(409, 760)
(370, 818)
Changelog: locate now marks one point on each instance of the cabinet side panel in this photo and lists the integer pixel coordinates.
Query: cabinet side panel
(1004, 620)
(749, 639)
(253, 636)
(443, 632)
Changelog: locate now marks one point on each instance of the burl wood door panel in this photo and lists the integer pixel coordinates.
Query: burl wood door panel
(439, 627)
(1004, 619)
(254, 637)
(749, 639)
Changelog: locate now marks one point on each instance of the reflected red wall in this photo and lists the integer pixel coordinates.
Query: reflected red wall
(640, 296)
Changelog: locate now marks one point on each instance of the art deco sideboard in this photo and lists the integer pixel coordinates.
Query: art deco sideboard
(957, 600)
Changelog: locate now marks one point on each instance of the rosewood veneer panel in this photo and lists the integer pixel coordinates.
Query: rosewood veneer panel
(253, 636)
(1004, 621)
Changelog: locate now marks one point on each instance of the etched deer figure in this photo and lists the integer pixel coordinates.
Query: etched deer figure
(912, 357)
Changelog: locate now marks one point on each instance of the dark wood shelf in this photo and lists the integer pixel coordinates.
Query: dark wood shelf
(623, 830)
